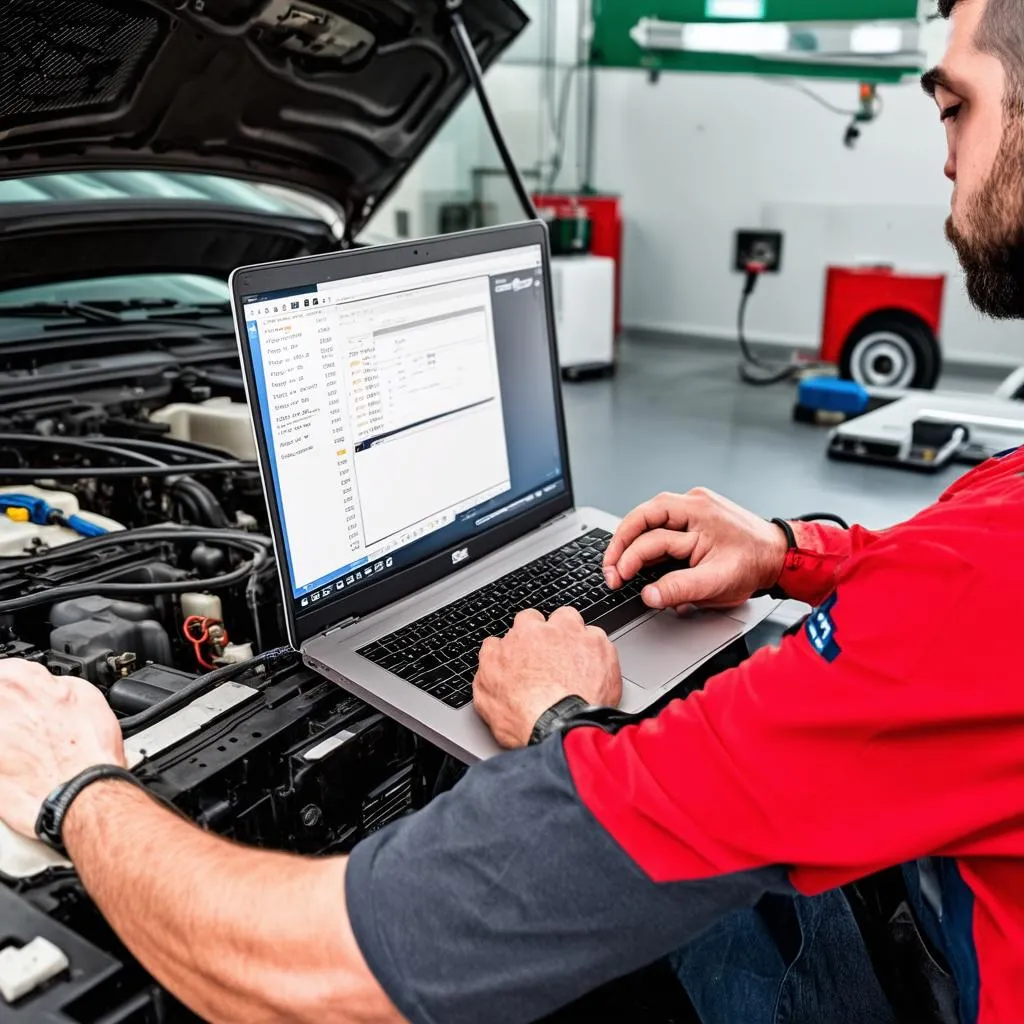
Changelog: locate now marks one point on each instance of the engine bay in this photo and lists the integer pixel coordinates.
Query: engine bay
(134, 554)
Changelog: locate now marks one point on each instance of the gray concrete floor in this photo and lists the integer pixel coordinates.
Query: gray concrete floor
(677, 416)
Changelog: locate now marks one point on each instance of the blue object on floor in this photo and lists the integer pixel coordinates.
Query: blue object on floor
(824, 394)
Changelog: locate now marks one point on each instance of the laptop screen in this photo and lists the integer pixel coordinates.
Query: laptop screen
(403, 413)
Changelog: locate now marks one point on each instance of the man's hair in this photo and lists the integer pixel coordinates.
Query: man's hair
(1001, 33)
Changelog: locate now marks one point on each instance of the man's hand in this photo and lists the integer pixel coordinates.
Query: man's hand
(51, 729)
(732, 553)
(536, 665)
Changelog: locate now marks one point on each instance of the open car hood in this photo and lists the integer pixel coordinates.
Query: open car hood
(334, 97)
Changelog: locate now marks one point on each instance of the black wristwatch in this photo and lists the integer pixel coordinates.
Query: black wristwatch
(556, 717)
(50, 822)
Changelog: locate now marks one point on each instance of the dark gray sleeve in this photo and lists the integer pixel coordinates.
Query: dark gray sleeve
(505, 899)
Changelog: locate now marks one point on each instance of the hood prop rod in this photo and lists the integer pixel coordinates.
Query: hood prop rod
(471, 63)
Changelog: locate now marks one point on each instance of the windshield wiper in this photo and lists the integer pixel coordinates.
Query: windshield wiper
(116, 311)
(83, 311)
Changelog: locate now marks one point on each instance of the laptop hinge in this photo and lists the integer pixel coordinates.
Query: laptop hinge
(344, 624)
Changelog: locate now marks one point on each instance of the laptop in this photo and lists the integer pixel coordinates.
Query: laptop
(407, 410)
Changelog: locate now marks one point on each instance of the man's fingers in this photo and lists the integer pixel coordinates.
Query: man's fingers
(654, 547)
(488, 649)
(688, 586)
(524, 618)
(567, 616)
(666, 510)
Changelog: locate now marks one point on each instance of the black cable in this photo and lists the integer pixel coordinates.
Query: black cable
(115, 472)
(764, 375)
(752, 369)
(476, 77)
(196, 688)
(177, 448)
(70, 590)
(146, 534)
(93, 447)
(823, 517)
(257, 545)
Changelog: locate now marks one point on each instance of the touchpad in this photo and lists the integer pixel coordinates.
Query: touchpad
(666, 646)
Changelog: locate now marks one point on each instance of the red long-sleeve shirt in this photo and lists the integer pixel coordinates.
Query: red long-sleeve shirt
(888, 731)
(891, 729)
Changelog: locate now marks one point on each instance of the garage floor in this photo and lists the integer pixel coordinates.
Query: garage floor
(677, 416)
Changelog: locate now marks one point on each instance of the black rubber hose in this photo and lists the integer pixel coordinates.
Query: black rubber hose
(146, 534)
(115, 472)
(107, 451)
(202, 501)
(65, 593)
(187, 506)
(177, 448)
(196, 688)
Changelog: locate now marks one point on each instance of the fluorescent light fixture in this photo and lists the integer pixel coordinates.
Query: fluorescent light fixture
(746, 38)
(876, 39)
(755, 38)
(742, 10)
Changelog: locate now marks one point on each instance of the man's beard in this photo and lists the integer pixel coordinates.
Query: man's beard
(991, 247)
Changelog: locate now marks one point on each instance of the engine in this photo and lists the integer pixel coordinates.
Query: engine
(134, 554)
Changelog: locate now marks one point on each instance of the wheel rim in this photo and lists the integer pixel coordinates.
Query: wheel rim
(883, 360)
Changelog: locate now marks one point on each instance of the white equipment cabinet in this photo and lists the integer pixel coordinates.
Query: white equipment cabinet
(584, 289)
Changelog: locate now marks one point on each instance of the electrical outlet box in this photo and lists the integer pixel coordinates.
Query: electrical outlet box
(759, 247)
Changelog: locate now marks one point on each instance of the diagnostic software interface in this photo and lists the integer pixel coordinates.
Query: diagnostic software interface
(403, 413)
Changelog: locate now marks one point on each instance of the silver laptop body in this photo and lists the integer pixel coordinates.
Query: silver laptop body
(407, 412)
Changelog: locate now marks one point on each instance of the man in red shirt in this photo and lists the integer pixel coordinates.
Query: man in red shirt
(889, 731)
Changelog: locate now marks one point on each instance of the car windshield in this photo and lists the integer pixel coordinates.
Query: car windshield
(159, 292)
(142, 289)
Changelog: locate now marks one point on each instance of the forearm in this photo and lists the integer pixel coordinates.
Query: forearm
(236, 934)
(810, 571)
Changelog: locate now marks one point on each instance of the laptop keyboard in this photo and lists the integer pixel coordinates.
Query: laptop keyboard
(438, 653)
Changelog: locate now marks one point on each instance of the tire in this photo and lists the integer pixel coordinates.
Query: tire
(892, 349)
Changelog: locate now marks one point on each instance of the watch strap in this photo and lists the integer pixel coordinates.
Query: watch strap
(53, 813)
(777, 592)
(555, 717)
(580, 714)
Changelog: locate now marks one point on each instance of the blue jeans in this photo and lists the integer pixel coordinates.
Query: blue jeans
(787, 961)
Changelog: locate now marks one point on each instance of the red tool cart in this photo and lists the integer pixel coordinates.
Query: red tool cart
(605, 213)
(882, 326)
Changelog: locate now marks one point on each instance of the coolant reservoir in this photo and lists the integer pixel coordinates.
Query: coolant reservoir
(18, 536)
(216, 423)
(205, 606)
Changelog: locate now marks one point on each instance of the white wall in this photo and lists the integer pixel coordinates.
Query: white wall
(516, 87)
(696, 157)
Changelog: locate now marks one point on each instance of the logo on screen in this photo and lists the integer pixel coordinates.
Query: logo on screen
(460, 556)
